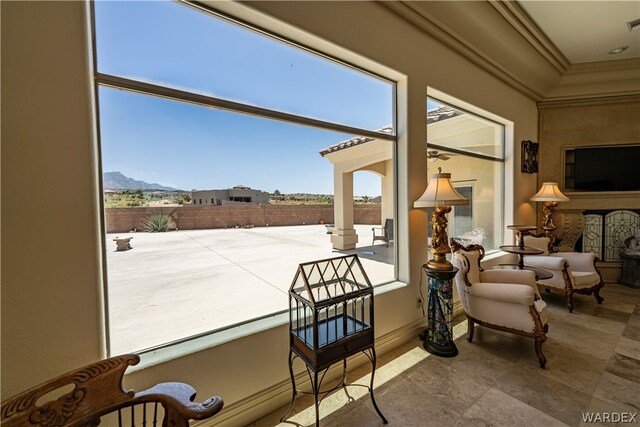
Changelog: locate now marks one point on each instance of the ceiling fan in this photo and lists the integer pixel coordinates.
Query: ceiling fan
(435, 155)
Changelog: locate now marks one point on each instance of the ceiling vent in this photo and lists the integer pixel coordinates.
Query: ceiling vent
(633, 25)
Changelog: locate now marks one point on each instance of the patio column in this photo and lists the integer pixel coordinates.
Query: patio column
(387, 192)
(344, 235)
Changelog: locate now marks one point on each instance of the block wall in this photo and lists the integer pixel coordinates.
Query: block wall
(120, 220)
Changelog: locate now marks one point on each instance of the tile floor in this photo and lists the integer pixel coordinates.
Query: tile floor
(593, 366)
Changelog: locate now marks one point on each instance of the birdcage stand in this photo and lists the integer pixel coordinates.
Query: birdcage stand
(316, 378)
(331, 318)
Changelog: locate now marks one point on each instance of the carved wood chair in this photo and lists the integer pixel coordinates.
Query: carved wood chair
(506, 300)
(573, 272)
(97, 395)
(383, 233)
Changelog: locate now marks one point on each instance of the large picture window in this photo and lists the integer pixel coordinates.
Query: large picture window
(220, 147)
(471, 148)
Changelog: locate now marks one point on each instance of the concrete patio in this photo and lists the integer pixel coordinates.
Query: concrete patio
(182, 283)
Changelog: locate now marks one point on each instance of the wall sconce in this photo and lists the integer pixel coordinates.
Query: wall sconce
(551, 195)
(529, 163)
(441, 195)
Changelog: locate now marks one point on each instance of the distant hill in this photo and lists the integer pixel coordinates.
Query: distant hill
(117, 181)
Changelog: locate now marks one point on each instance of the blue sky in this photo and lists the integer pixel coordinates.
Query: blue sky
(188, 146)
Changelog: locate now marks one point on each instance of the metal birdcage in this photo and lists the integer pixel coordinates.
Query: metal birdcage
(331, 310)
(331, 318)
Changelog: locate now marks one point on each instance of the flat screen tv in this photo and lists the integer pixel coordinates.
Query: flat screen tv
(614, 168)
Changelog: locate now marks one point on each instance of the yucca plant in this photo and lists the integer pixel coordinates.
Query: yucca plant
(158, 223)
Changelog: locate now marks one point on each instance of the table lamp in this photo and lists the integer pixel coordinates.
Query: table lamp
(441, 195)
(551, 195)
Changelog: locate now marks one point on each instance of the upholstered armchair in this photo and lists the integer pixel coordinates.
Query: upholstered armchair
(507, 300)
(573, 272)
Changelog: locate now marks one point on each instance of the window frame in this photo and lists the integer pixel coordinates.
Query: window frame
(454, 214)
(499, 159)
(189, 97)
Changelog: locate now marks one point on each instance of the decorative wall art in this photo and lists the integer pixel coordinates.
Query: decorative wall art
(529, 156)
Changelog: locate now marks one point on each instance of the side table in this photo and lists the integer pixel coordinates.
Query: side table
(541, 274)
(438, 336)
(520, 251)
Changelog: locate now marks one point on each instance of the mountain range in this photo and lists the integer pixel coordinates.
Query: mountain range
(118, 181)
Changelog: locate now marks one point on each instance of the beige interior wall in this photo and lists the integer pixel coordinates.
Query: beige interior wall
(51, 276)
(51, 287)
(587, 122)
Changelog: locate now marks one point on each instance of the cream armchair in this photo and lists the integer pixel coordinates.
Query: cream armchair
(573, 272)
(507, 300)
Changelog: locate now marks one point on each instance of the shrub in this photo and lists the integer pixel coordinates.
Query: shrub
(182, 198)
(158, 223)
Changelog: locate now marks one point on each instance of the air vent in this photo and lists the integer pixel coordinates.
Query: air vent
(633, 25)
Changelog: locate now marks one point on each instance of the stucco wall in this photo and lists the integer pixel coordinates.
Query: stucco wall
(52, 275)
(204, 197)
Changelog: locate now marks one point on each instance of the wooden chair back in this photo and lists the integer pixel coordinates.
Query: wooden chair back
(96, 391)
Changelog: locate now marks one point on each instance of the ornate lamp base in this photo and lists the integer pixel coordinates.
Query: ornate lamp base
(438, 336)
(548, 225)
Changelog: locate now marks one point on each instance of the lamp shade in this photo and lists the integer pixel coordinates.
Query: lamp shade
(440, 192)
(549, 192)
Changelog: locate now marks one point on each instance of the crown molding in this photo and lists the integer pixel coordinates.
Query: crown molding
(410, 11)
(601, 100)
(628, 64)
(608, 97)
(564, 81)
(520, 20)
(602, 79)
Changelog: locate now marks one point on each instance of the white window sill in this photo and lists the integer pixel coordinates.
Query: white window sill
(495, 255)
(494, 258)
(173, 351)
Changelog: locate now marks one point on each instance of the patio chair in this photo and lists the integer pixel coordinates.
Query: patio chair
(383, 233)
(97, 395)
